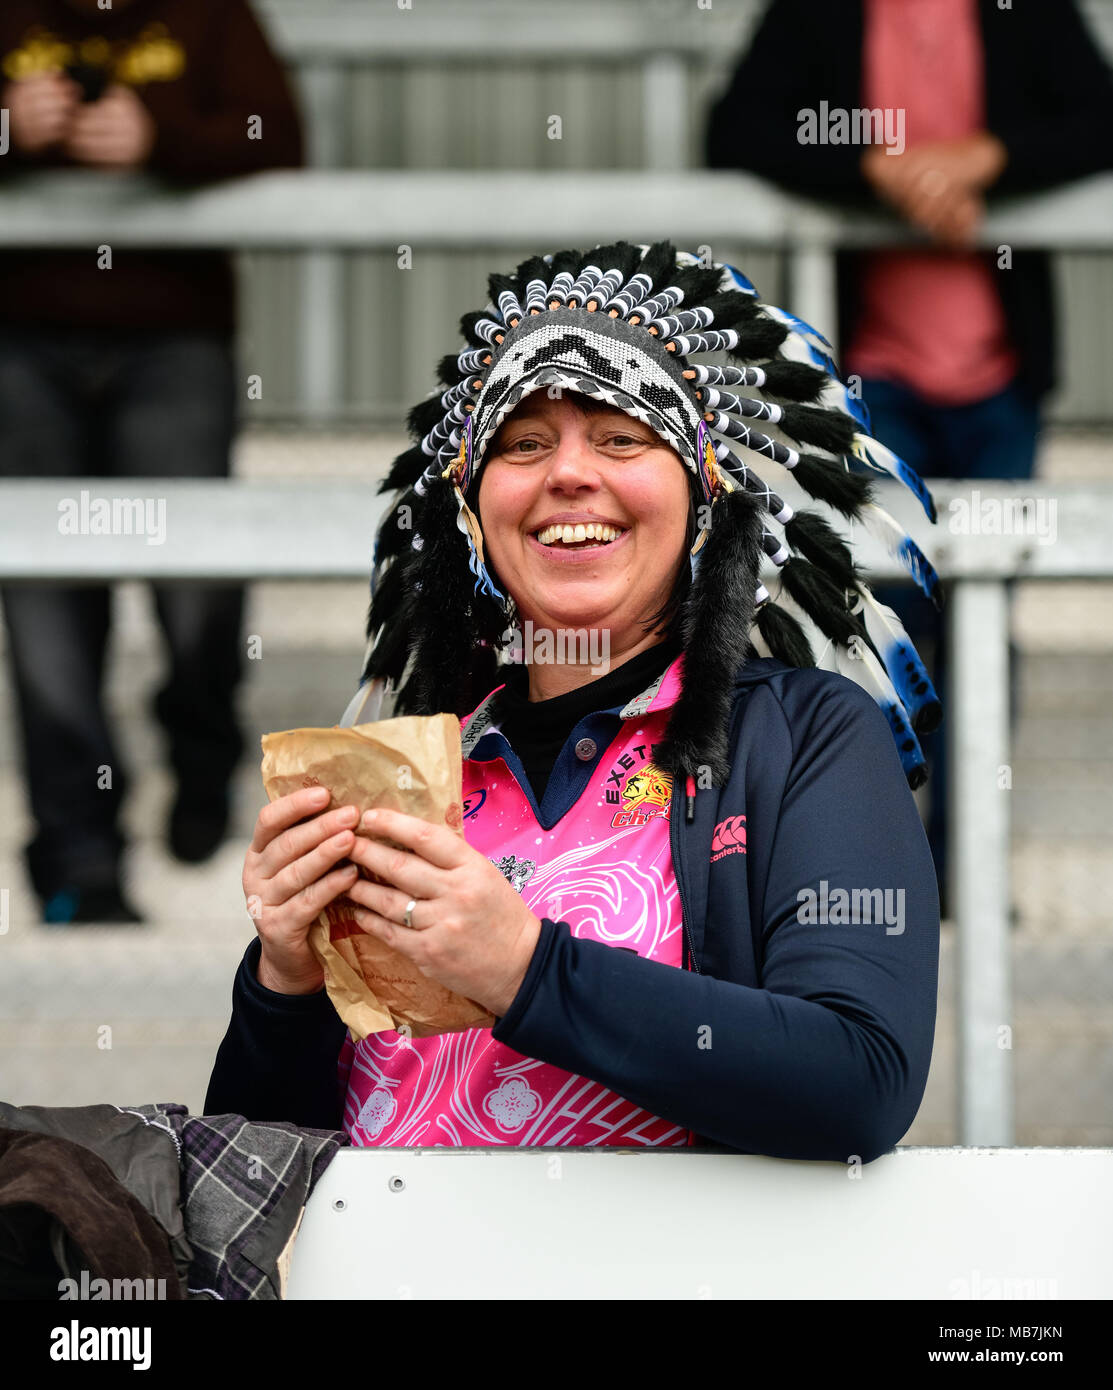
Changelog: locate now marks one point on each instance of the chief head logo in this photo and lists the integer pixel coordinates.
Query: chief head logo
(645, 794)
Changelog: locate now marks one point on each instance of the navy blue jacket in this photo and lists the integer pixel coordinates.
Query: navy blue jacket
(780, 1035)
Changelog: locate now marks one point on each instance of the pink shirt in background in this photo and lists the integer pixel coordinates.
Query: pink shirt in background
(931, 320)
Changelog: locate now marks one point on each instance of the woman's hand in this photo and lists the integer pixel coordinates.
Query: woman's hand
(287, 882)
(471, 931)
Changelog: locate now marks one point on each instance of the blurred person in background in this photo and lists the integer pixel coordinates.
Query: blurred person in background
(125, 371)
(954, 348)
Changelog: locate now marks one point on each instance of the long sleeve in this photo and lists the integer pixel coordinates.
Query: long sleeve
(278, 1059)
(1052, 104)
(829, 1058)
(238, 78)
(800, 54)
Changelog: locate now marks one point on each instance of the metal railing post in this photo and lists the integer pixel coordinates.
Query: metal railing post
(665, 111)
(813, 291)
(323, 319)
(978, 849)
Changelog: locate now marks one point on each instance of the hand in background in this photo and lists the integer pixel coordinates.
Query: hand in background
(938, 186)
(40, 110)
(116, 132)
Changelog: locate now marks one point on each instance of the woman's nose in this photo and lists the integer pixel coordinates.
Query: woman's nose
(574, 463)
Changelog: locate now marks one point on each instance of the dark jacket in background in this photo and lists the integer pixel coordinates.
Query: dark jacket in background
(62, 1210)
(209, 1203)
(202, 68)
(1048, 98)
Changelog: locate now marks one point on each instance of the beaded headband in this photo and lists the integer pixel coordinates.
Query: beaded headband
(620, 324)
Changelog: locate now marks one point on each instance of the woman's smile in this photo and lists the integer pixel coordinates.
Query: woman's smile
(584, 512)
(578, 543)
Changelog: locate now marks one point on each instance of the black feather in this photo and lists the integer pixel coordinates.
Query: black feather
(444, 640)
(784, 636)
(761, 337)
(659, 263)
(823, 429)
(532, 268)
(388, 593)
(568, 262)
(830, 482)
(824, 602)
(467, 328)
(620, 255)
(406, 469)
(793, 381)
(697, 283)
(497, 283)
(732, 308)
(448, 370)
(396, 529)
(425, 416)
(813, 537)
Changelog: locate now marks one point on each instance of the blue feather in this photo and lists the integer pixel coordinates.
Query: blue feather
(873, 453)
(899, 543)
(908, 745)
(740, 281)
(921, 569)
(906, 671)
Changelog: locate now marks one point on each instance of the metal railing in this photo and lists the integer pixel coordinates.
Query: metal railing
(323, 213)
(280, 531)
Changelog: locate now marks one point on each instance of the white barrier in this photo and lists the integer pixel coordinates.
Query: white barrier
(957, 1224)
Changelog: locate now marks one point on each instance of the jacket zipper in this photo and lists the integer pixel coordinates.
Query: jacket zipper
(679, 872)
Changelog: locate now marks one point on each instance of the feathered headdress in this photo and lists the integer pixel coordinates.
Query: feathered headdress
(621, 324)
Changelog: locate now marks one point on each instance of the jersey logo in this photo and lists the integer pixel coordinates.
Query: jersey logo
(645, 794)
(517, 872)
(728, 837)
(473, 801)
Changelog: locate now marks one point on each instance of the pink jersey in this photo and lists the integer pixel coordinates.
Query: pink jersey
(605, 869)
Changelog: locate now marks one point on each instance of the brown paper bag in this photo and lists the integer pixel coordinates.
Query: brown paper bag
(410, 764)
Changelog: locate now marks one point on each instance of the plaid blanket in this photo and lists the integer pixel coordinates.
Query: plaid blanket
(243, 1189)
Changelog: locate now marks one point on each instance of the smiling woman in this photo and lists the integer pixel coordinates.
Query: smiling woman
(646, 842)
(611, 561)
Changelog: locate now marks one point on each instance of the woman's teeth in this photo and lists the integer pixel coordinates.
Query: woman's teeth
(573, 535)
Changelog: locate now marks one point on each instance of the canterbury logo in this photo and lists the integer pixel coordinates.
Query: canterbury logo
(729, 837)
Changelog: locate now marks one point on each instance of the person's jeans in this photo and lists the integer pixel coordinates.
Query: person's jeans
(993, 438)
(89, 403)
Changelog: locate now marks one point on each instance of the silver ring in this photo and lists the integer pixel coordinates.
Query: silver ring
(409, 918)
